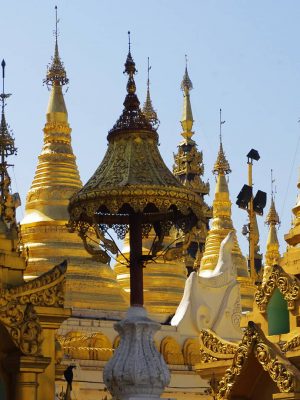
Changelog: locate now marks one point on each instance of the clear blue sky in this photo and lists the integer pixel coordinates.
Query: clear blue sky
(244, 56)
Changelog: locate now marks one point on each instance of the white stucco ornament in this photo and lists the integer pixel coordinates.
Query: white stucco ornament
(211, 300)
(136, 370)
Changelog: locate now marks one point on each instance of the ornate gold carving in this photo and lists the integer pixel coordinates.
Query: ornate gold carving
(281, 371)
(288, 285)
(46, 290)
(22, 325)
(292, 344)
(138, 197)
(171, 351)
(17, 311)
(57, 130)
(214, 348)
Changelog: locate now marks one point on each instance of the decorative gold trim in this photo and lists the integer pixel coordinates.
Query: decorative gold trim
(46, 290)
(215, 347)
(281, 371)
(292, 344)
(137, 196)
(288, 285)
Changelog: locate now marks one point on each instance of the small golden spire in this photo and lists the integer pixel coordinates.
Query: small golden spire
(272, 217)
(221, 166)
(187, 114)
(221, 224)
(272, 255)
(148, 109)
(56, 74)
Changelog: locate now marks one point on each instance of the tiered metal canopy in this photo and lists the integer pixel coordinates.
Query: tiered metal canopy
(132, 189)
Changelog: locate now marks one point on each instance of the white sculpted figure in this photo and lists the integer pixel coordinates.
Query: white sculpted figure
(211, 300)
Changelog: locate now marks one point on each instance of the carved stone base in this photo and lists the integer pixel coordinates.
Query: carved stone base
(137, 370)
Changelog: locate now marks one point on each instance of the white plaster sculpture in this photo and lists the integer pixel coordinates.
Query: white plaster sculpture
(137, 370)
(211, 300)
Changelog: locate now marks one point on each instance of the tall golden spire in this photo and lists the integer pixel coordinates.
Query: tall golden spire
(148, 109)
(44, 232)
(220, 227)
(187, 115)
(189, 168)
(57, 167)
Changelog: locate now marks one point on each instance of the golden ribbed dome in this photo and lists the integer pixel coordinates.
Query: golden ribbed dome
(46, 238)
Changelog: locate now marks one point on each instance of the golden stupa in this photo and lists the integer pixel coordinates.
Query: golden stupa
(46, 239)
(220, 227)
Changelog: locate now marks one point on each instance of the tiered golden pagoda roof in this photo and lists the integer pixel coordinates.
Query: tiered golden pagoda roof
(46, 238)
(189, 169)
(132, 174)
(221, 225)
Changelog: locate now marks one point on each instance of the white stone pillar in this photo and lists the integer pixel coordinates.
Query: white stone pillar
(137, 370)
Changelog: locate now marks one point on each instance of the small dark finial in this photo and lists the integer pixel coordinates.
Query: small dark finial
(148, 71)
(186, 60)
(129, 43)
(56, 22)
(272, 186)
(221, 123)
(3, 76)
(3, 68)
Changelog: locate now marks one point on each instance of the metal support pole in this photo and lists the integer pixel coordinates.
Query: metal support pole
(251, 225)
(136, 266)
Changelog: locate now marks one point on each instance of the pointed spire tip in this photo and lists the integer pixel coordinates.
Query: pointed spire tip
(56, 74)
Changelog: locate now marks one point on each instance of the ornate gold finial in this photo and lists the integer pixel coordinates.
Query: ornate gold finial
(221, 165)
(56, 73)
(132, 118)
(272, 217)
(272, 254)
(8, 202)
(148, 109)
(187, 114)
(186, 84)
